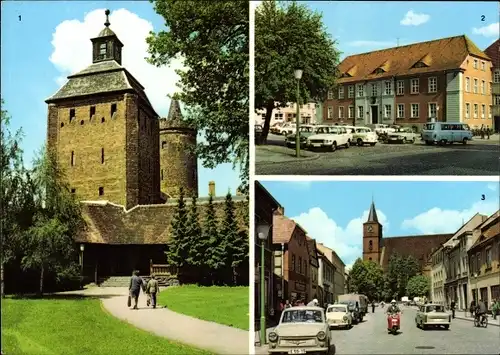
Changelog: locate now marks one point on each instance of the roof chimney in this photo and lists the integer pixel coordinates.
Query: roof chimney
(211, 188)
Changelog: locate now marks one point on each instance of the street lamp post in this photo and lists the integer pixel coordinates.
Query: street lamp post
(298, 76)
(262, 232)
(82, 248)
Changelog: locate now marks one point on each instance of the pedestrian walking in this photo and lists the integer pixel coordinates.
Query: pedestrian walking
(488, 132)
(373, 306)
(152, 289)
(472, 308)
(495, 309)
(136, 283)
(482, 132)
(452, 306)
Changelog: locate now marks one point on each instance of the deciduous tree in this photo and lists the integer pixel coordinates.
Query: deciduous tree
(290, 36)
(418, 286)
(212, 38)
(366, 277)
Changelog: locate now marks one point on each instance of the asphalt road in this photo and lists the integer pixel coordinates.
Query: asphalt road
(478, 158)
(371, 337)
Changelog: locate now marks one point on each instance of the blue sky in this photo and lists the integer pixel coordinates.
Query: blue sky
(333, 212)
(36, 58)
(362, 26)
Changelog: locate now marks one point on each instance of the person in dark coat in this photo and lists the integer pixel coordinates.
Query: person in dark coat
(472, 308)
(373, 306)
(136, 283)
(452, 307)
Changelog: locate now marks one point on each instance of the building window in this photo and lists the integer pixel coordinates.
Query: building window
(113, 110)
(387, 111)
(467, 84)
(401, 87)
(72, 115)
(433, 84)
(496, 76)
(341, 92)
(475, 110)
(415, 86)
(278, 116)
(293, 262)
(483, 111)
(163, 144)
(388, 88)
(103, 120)
(432, 110)
(360, 111)
(483, 87)
(350, 91)
(73, 190)
(414, 110)
(101, 191)
(474, 89)
(467, 110)
(102, 155)
(161, 173)
(496, 100)
(341, 111)
(401, 110)
(475, 64)
(300, 265)
(483, 66)
(374, 90)
(361, 90)
(72, 158)
(478, 262)
(330, 95)
(330, 112)
(350, 112)
(488, 257)
(92, 112)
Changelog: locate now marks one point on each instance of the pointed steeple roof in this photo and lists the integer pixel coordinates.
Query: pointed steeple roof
(174, 112)
(372, 216)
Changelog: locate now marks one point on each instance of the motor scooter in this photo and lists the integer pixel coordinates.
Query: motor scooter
(393, 323)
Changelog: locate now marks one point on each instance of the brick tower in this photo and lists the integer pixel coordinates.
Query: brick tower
(178, 164)
(104, 131)
(372, 236)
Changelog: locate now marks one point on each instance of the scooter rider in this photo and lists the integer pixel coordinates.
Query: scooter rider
(393, 308)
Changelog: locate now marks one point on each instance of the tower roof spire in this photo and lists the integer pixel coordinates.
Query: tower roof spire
(174, 112)
(107, 12)
(372, 216)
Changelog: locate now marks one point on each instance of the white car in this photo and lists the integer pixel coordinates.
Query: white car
(330, 137)
(348, 130)
(338, 316)
(301, 330)
(380, 128)
(364, 135)
(403, 135)
(287, 128)
(432, 315)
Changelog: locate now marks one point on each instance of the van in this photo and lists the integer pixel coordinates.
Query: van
(361, 302)
(446, 132)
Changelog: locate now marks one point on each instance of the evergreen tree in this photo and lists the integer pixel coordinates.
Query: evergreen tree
(198, 245)
(214, 253)
(178, 245)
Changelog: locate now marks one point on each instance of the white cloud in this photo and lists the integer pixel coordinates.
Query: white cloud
(437, 220)
(371, 44)
(414, 19)
(493, 186)
(73, 52)
(492, 30)
(346, 241)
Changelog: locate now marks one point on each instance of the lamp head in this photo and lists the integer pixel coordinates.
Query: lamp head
(82, 247)
(298, 74)
(263, 230)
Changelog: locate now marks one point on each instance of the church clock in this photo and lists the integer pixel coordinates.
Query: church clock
(370, 228)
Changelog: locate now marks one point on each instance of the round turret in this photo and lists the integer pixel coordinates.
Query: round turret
(178, 163)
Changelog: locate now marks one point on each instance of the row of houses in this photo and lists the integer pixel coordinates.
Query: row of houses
(467, 266)
(296, 267)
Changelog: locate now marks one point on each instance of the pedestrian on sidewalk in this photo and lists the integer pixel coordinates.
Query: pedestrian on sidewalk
(452, 306)
(373, 306)
(287, 304)
(472, 308)
(136, 283)
(152, 289)
(495, 309)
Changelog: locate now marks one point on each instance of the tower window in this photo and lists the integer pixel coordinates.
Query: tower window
(82, 122)
(163, 145)
(102, 50)
(113, 110)
(72, 114)
(62, 124)
(101, 191)
(161, 173)
(102, 120)
(92, 112)
(72, 158)
(73, 191)
(102, 155)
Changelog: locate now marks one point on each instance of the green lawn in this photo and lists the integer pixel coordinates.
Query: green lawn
(75, 326)
(223, 305)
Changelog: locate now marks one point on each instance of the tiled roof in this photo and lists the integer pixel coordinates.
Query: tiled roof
(489, 230)
(283, 228)
(419, 246)
(372, 216)
(436, 55)
(109, 223)
(493, 52)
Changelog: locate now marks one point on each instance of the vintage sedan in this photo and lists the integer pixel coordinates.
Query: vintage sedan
(302, 330)
(364, 135)
(330, 137)
(338, 316)
(432, 315)
(402, 135)
(305, 132)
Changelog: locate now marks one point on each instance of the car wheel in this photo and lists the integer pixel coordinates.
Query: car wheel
(443, 141)
(360, 142)
(333, 147)
(348, 144)
(464, 141)
(446, 327)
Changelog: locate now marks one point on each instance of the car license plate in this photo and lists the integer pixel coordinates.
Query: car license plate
(316, 145)
(297, 351)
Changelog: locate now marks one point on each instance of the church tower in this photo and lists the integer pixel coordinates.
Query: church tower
(103, 130)
(372, 236)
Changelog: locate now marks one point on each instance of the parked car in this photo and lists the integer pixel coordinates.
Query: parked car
(432, 315)
(330, 137)
(402, 135)
(305, 131)
(287, 128)
(446, 132)
(382, 129)
(364, 135)
(353, 310)
(338, 316)
(274, 129)
(301, 330)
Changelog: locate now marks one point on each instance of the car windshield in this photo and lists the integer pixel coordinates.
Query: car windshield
(306, 129)
(302, 316)
(323, 130)
(336, 309)
(434, 309)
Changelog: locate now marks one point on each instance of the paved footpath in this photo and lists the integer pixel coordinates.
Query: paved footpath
(163, 322)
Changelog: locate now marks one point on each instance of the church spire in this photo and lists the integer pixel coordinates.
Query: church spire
(372, 216)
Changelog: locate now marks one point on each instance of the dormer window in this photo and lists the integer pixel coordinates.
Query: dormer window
(379, 71)
(420, 65)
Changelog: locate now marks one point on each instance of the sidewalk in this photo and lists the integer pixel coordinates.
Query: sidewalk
(466, 316)
(271, 154)
(163, 322)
